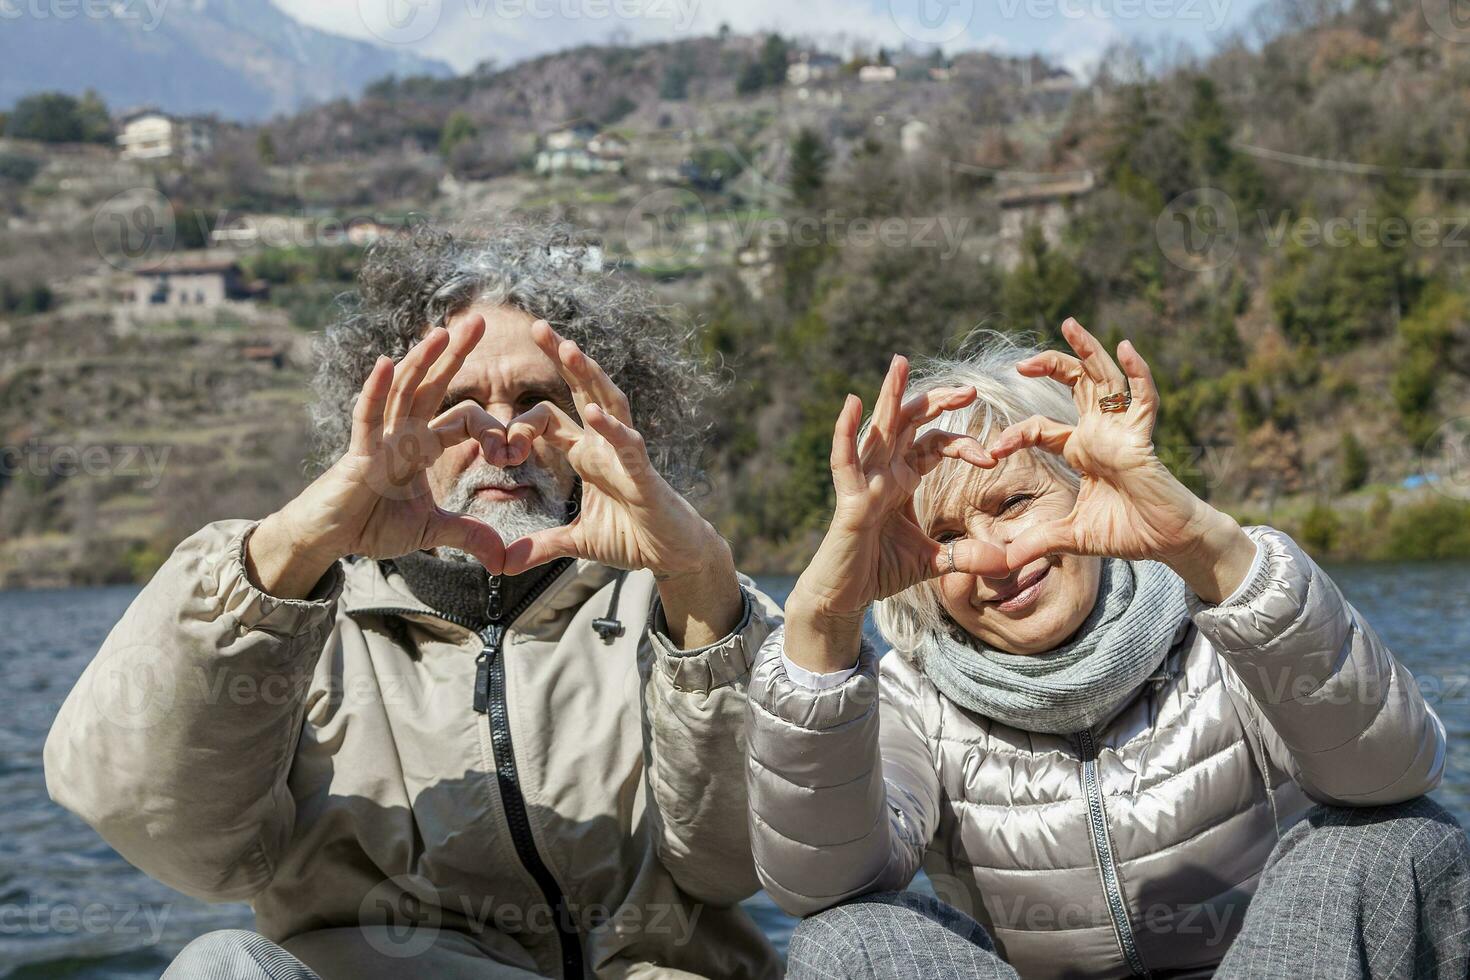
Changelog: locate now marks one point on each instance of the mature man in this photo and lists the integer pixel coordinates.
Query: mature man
(417, 717)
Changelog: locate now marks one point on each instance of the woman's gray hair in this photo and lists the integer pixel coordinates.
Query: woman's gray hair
(542, 268)
(987, 360)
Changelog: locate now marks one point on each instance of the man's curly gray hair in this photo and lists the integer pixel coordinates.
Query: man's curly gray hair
(545, 269)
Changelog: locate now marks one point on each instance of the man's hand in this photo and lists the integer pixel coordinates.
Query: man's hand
(630, 517)
(375, 501)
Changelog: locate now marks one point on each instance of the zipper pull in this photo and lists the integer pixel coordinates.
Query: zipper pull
(494, 637)
(495, 604)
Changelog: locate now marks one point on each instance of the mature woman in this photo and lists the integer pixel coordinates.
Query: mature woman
(1106, 719)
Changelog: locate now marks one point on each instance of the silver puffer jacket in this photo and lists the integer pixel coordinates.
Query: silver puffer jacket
(1130, 849)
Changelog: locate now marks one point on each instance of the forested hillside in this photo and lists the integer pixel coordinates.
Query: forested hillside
(1280, 226)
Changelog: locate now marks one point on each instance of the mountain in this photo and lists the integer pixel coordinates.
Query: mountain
(242, 59)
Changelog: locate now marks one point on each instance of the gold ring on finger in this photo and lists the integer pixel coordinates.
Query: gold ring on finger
(949, 555)
(1118, 401)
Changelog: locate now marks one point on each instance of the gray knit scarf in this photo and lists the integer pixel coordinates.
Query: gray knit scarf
(1083, 682)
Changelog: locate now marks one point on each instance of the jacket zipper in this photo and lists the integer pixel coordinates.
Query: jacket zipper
(1102, 845)
(489, 699)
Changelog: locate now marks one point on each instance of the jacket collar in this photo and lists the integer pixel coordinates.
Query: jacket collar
(377, 588)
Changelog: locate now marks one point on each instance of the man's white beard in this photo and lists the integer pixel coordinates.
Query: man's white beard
(542, 509)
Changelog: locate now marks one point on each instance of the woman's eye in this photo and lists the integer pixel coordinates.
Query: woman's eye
(1014, 500)
(944, 537)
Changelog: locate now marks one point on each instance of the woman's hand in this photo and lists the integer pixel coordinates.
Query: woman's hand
(875, 547)
(1129, 505)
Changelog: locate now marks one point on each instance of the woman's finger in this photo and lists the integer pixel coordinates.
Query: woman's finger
(367, 414)
(924, 408)
(938, 444)
(1054, 364)
(1050, 538)
(1038, 431)
(589, 383)
(1096, 363)
(1145, 404)
(462, 339)
(883, 433)
(468, 534)
(409, 372)
(540, 547)
(846, 474)
(968, 557)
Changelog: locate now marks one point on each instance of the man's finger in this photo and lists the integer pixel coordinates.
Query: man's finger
(462, 339)
(1038, 431)
(539, 548)
(546, 422)
(627, 442)
(470, 535)
(410, 371)
(468, 420)
(367, 414)
(589, 383)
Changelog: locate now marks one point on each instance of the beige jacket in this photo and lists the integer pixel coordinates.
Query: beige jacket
(323, 760)
(1129, 849)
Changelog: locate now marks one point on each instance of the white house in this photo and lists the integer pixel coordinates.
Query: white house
(153, 135)
(877, 73)
(581, 149)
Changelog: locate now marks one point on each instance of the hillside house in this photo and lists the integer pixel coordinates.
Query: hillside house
(1046, 203)
(877, 73)
(812, 67)
(190, 283)
(581, 149)
(153, 135)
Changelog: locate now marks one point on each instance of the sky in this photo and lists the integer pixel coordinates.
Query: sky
(1072, 33)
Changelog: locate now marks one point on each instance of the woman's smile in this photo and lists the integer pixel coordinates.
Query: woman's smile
(1023, 592)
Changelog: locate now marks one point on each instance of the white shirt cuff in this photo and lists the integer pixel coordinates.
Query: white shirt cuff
(814, 681)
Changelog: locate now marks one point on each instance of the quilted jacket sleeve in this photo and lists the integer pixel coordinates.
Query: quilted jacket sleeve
(1334, 706)
(844, 797)
(695, 746)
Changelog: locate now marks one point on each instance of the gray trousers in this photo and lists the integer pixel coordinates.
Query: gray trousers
(1348, 893)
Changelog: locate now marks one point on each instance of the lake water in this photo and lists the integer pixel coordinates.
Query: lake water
(70, 907)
